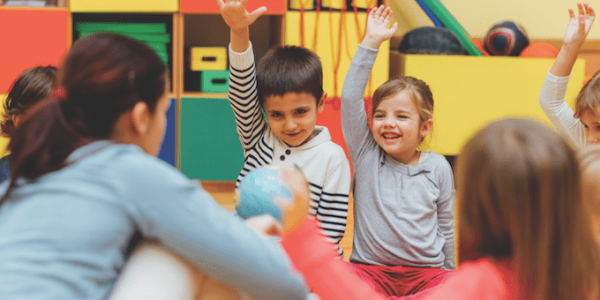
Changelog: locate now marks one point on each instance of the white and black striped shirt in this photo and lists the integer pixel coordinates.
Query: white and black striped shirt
(322, 161)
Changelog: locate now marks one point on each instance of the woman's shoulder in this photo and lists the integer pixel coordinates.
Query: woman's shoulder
(121, 162)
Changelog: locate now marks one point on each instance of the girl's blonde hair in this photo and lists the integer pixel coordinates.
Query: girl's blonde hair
(588, 97)
(519, 197)
(418, 89)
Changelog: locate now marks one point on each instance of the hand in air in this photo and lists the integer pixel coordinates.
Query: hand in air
(377, 27)
(579, 26)
(235, 14)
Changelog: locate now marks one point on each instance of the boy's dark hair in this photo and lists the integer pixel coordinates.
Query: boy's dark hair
(289, 69)
(32, 86)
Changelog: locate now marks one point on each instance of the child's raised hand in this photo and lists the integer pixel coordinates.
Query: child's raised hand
(579, 26)
(235, 14)
(377, 27)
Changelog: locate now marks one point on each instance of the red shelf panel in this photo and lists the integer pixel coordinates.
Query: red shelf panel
(274, 7)
(31, 37)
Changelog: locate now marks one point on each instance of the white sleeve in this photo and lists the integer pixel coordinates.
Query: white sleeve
(552, 101)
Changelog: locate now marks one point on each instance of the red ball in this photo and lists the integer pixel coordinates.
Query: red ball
(540, 50)
(479, 45)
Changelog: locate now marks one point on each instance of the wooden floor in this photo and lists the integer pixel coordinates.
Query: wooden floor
(223, 193)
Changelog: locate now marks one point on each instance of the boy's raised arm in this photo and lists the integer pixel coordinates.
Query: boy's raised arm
(239, 19)
(577, 31)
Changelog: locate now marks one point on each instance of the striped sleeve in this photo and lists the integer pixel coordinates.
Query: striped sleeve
(329, 204)
(243, 97)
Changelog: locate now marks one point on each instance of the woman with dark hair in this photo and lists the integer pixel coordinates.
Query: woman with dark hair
(32, 86)
(85, 179)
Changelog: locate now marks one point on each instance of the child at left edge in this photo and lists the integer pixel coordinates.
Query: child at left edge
(288, 84)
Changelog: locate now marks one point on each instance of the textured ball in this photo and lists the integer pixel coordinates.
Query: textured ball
(506, 39)
(259, 192)
(541, 50)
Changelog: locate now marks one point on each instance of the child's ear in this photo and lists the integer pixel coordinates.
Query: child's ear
(426, 127)
(140, 117)
(17, 119)
(321, 103)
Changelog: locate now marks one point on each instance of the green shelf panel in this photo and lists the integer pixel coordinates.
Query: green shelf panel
(122, 27)
(209, 146)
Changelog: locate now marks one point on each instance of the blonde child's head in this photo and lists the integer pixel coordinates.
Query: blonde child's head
(519, 197)
(402, 111)
(589, 162)
(587, 109)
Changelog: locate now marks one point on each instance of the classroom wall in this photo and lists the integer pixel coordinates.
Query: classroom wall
(542, 19)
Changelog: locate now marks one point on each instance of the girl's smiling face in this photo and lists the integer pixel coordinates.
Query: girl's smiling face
(591, 123)
(398, 129)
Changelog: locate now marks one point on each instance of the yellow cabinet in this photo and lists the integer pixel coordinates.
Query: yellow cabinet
(469, 91)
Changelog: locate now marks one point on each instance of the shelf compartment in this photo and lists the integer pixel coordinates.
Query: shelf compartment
(155, 30)
(209, 30)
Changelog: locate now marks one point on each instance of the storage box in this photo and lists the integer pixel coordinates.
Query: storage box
(208, 58)
(469, 92)
(214, 81)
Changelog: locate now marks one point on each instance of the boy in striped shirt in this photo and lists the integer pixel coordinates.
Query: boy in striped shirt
(288, 85)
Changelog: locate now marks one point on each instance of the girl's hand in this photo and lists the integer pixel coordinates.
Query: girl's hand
(377, 27)
(235, 14)
(579, 26)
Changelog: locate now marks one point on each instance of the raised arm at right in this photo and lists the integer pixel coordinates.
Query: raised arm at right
(238, 19)
(577, 30)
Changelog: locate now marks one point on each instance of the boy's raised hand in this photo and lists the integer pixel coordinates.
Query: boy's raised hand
(377, 27)
(579, 26)
(235, 14)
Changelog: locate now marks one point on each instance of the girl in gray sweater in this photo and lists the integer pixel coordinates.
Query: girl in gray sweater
(404, 233)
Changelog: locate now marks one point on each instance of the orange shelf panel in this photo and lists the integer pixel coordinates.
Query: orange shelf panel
(31, 37)
(274, 7)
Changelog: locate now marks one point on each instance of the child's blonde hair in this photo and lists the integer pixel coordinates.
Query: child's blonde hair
(418, 89)
(589, 97)
(519, 197)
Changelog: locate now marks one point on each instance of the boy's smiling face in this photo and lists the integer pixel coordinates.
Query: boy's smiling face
(293, 116)
(591, 123)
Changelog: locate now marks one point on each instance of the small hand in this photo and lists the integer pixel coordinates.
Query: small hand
(235, 14)
(265, 225)
(579, 26)
(377, 27)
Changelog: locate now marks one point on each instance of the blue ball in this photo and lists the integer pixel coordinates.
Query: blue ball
(258, 191)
